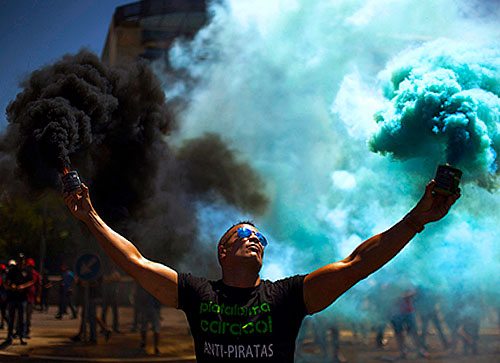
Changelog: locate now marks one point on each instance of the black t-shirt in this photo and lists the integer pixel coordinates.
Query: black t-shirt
(230, 324)
(16, 276)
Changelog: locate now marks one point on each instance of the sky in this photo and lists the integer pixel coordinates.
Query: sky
(35, 33)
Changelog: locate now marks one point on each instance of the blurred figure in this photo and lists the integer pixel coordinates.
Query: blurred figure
(3, 296)
(334, 331)
(27, 283)
(89, 297)
(380, 311)
(452, 320)
(150, 314)
(15, 298)
(134, 300)
(110, 289)
(426, 305)
(404, 320)
(308, 342)
(463, 318)
(357, 304)
(32, 291)
(45, 286)
(66, 293)
(319, 340)
(471, 322)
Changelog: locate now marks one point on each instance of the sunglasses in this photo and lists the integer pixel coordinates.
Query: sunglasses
(244, 232)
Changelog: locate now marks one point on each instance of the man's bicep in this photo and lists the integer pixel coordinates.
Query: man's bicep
(323, 286)
(160, 281)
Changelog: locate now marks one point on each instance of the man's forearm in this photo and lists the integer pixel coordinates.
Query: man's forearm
(380, 249)
(119, 249)
(26, 285)
(325, 285)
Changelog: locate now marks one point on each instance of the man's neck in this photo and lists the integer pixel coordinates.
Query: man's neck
(239, 278)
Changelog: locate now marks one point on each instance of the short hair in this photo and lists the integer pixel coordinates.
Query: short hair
(224, 238)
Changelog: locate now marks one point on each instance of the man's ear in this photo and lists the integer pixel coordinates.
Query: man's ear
(222, 252)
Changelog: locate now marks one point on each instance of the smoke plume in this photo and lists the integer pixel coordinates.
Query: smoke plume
(210, 165)
(444, 102)
(112, 123)
(293, 86)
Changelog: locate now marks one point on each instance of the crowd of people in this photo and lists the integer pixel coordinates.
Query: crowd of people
(104, 292)
(19, 288)
(23, 289)
(406, 309)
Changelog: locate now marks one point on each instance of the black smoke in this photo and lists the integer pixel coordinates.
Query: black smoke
(111, 124)
(210, 165)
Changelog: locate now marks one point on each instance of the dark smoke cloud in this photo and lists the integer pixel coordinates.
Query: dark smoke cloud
(210, 165)
(110, 123)
(63, 110)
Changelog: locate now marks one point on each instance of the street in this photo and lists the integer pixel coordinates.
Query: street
(50, 342)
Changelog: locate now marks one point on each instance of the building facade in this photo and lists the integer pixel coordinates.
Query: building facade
(147, 28)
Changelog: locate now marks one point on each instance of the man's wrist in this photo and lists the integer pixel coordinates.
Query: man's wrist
(414, 223)
(90, 217)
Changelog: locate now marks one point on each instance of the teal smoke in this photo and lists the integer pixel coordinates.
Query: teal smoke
(444, 102)
(292, 86)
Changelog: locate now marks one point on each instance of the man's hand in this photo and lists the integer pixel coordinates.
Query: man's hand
(79, 203)
(432, 206)
(158, 279)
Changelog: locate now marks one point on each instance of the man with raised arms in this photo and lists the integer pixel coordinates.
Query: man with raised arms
(241, 318)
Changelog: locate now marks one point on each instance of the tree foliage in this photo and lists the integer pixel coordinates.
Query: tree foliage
(26, 225)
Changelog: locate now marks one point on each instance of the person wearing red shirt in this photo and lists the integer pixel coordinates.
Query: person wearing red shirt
(32, 290)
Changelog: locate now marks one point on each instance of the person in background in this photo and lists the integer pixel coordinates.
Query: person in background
(426, 306)
(136, 304)
(27, 279)
(3, 296)
(379, 311)
(89, 297)
(15, 299)
(150, 315)
(110, 289)
(45, 286)
(66, 293)
(32, 291)
(404, 319)
(334, 330)
(463, 317)
(319, 340)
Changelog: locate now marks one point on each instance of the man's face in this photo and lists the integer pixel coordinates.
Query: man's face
(236, 248)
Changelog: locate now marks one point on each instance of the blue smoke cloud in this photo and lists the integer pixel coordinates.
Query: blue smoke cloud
(444, 104)
(294, 85)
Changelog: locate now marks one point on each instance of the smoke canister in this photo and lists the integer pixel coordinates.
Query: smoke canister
(447, 179)
(71, 181)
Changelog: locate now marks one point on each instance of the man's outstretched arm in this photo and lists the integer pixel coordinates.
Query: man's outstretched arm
(158, 279)
(323, 286)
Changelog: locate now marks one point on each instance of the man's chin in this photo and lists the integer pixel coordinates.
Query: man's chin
(252, 259)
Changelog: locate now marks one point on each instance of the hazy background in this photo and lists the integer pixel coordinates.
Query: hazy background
(293, 88)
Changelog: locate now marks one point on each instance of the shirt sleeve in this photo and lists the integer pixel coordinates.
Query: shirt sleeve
(188, 287)
(291, 294)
